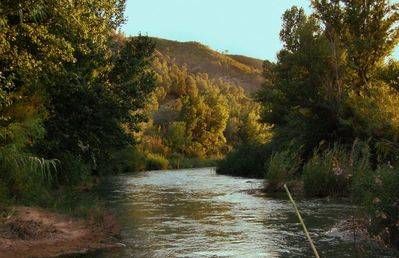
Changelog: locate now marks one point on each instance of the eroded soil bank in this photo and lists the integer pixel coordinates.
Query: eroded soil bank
(34, 232)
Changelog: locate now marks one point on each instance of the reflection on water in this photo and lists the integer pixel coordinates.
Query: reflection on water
(196, 213)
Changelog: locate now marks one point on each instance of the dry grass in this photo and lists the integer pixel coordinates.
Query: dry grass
(244, 71)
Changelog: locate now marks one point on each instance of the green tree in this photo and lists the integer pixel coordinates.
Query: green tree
(177, 136)
(368, 30)
(92, 116)
(70, 86)
(299, 91)
(389, 73)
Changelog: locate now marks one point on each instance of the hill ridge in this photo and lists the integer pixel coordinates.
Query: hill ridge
(199, 58)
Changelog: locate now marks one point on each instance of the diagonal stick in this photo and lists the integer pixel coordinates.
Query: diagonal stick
(302, 222)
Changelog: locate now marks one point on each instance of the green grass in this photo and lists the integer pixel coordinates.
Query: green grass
(156, 162)
(83, 204)
(281, 168)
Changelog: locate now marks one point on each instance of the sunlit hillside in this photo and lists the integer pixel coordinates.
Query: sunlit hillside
(199, 109)
(199, 58)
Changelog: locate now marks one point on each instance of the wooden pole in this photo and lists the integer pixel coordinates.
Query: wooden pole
(316, 254)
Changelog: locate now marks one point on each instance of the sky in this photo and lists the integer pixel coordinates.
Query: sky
(245, 27)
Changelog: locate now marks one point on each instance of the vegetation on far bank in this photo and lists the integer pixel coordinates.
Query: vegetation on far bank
(193, 118)
(332, 100)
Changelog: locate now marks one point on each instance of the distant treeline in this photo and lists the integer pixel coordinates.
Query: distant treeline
(193, 117)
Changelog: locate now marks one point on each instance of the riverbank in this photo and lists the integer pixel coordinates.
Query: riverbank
(35, 232)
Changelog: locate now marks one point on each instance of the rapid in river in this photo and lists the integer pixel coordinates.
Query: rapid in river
(197, 213)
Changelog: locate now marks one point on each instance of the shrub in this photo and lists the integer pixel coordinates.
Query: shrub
(328, 173)
(25, 178)
(246, 160)
(129, 159)
(281, 168)
(156, 162)
(178, 161)
(136, 160)
(378, 192)
(74, 170)
(4, 194)
(375, 114)
(72, 201)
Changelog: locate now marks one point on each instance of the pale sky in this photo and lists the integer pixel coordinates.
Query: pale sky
(246, 27)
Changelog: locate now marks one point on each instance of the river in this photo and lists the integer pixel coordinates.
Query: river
(197, 213)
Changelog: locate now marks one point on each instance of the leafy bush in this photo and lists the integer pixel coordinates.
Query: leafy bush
(375, 114)
(136, 160)
(156, 162)
(281, 168)
(73, 170)
(176, 136)
(246, 160)
(24, 178)
(129, 159)
(328, 173)
(180, 161)
(378, 191)
(4, 194)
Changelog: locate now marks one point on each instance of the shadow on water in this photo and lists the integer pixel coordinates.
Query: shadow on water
(197, 213)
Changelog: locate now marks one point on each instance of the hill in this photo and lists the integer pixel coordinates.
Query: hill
(201, 108)
(241, 70)
(250, 61)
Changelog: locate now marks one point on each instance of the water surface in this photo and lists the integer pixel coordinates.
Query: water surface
(197, 213)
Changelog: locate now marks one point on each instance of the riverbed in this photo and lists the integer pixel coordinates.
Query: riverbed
(197, 213)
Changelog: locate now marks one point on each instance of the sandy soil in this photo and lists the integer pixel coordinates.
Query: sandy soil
(33, 232)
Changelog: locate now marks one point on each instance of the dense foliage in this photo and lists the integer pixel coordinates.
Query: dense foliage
(70, 91)
(333, 96)
(245, 160)
(193, 117)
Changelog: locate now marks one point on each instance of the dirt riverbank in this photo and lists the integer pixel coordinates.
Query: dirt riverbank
(34, 232)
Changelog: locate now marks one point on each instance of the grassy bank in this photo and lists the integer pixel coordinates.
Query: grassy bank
(354, 171)
(135, 160)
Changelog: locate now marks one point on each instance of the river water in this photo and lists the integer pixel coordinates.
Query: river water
(197, 213)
